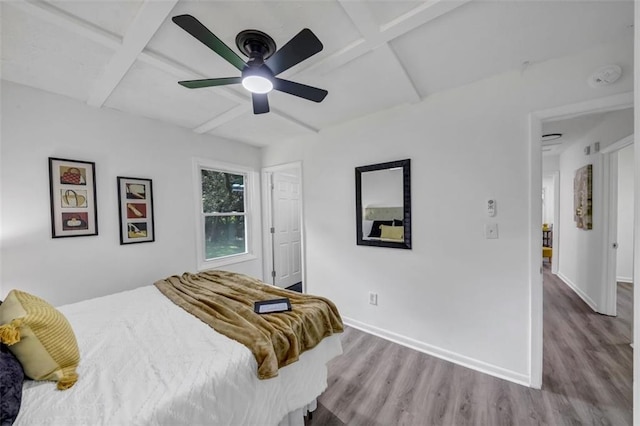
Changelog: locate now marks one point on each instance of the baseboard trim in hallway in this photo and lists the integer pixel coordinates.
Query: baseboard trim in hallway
(589, 301)
(447, 355)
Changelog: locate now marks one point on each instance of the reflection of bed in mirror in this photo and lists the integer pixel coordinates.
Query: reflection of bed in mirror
(381, 223)
(383, 204)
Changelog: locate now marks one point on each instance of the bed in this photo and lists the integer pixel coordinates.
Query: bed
(145, 360)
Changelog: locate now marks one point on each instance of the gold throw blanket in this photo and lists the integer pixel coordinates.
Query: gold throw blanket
(224, 300)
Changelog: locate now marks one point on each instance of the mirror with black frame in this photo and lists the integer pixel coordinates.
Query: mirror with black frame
(383, 204)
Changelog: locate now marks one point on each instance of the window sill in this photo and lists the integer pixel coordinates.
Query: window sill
(229, 260)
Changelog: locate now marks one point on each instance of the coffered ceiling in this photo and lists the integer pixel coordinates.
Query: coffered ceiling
(129, 55)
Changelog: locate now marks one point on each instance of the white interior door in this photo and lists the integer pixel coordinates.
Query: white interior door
(287, 249)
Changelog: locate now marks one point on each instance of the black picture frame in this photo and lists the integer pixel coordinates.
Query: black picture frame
(135, 210)
(405, 165)
(72, 194)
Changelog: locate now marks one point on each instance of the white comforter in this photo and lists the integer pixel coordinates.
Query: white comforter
(145, 361)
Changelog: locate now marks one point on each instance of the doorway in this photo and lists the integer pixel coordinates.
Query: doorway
(602, 105)
(282, 224)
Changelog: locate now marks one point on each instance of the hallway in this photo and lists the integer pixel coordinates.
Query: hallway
(588, 362)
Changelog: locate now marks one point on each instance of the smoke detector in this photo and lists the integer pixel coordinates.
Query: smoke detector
(604, 76)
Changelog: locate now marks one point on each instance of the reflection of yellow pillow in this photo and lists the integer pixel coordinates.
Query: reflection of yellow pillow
(392, 232)
(40, 337)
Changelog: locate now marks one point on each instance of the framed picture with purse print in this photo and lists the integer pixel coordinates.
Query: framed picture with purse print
(72, 185)
(135, 209)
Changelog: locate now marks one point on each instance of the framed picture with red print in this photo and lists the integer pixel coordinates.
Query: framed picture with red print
(72, 185)
(135, 204)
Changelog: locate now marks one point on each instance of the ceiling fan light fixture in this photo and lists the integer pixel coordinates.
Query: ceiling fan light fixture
(257, 84)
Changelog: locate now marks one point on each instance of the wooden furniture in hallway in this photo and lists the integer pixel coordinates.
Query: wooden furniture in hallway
(547, 243)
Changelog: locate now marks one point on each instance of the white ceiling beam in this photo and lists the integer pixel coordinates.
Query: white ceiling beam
(401, 74)
(387, 32)
(239, 110)
(183, 72)
(145, 24)
(300, 124)
(58, 17)
(223, 118)
(361, 15)
(335, 60)
(419, 16)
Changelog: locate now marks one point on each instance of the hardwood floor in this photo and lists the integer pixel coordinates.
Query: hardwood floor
(587, 376)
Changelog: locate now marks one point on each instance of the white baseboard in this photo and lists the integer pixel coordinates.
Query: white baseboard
(456, 358)
(625, 280)
(584, 296)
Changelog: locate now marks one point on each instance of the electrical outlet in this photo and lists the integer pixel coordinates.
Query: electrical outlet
(373, 298)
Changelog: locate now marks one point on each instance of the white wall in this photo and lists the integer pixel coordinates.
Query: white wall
(624, 270)
(550, 164)
(547, 205)
(581, 251)
(37, 125)
(455, 294)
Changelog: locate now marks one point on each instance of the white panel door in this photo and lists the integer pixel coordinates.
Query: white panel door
(287, 250)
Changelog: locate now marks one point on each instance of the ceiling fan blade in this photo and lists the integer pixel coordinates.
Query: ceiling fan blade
(199, 31)
(260, 103)
(302, 46)
(301, 90)
(210, 82)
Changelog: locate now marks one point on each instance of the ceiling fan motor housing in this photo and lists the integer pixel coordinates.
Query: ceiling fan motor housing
(256, 45)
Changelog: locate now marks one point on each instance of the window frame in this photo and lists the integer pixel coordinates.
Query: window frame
(251, 215)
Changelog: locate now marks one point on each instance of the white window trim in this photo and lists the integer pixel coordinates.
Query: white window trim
(252, 214)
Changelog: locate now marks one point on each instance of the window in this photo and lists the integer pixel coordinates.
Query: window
(224, 212)
(224, 194)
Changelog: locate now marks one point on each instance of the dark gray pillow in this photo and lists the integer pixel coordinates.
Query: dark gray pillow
(11, 378)
(375, 228)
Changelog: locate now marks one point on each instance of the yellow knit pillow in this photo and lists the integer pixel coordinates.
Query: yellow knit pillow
(40, 337)
(392, 232)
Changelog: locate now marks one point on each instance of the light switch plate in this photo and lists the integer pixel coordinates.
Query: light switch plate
(491, 231)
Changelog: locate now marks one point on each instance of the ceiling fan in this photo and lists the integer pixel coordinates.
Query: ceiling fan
(264, 63)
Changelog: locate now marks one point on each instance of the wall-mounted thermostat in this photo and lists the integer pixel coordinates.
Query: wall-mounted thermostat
(491, 207)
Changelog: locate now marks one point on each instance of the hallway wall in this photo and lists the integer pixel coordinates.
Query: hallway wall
(581, 258)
